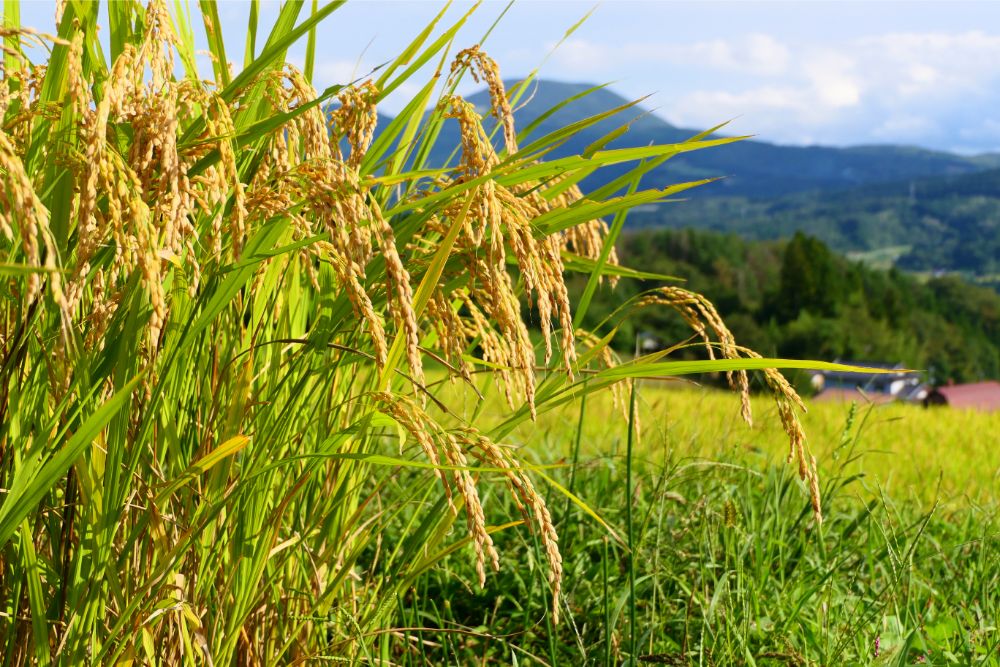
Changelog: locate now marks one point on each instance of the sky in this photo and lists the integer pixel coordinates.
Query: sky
(805, 72)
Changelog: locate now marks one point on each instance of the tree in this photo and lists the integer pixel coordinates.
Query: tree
(808, 280)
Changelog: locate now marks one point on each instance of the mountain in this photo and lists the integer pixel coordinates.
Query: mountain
(914, 208)
(751, 168)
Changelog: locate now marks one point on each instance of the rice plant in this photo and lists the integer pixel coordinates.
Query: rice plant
(221, 302)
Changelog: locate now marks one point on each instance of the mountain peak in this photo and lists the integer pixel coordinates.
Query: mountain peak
(545, 94)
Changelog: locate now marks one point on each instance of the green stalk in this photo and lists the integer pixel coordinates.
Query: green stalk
(628, 524)
(608, 627)
(311, 47)
(12, 43)
(576, 458)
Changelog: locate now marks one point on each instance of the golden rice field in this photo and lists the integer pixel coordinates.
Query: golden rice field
(908, 451)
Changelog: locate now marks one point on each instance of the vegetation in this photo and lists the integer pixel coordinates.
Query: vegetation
(798, 299)
(257, 361)
(226, 310)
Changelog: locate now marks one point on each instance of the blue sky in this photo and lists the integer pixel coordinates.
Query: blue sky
(806, 72)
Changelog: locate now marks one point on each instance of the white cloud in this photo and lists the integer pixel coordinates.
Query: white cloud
(832, 79)
(757, 53)
(581, 55)
(767, 55)
(689, 107)
(905, 126)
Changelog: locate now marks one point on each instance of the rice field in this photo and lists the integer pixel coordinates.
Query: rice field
(269, 393)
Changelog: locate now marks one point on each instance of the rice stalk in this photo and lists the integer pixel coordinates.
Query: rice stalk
(213, 300)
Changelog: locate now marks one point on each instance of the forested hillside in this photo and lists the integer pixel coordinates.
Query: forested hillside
(799, 299)
(934, 225)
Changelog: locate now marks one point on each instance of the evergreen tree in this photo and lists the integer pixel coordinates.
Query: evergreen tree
(808, 280)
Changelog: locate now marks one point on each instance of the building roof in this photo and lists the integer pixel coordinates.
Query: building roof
(981, 395)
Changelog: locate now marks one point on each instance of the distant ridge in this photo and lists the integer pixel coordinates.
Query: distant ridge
(934, 224)
(751, 168)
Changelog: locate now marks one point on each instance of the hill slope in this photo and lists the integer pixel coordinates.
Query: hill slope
(934, 224)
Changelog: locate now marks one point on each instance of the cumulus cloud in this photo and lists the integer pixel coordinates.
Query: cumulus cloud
(964, 58)
(755, 53)
(907, 127)
(581, 55)
(832, 79)
(937, 88)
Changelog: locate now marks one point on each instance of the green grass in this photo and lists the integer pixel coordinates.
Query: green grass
(729, 567)
(944, 456)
